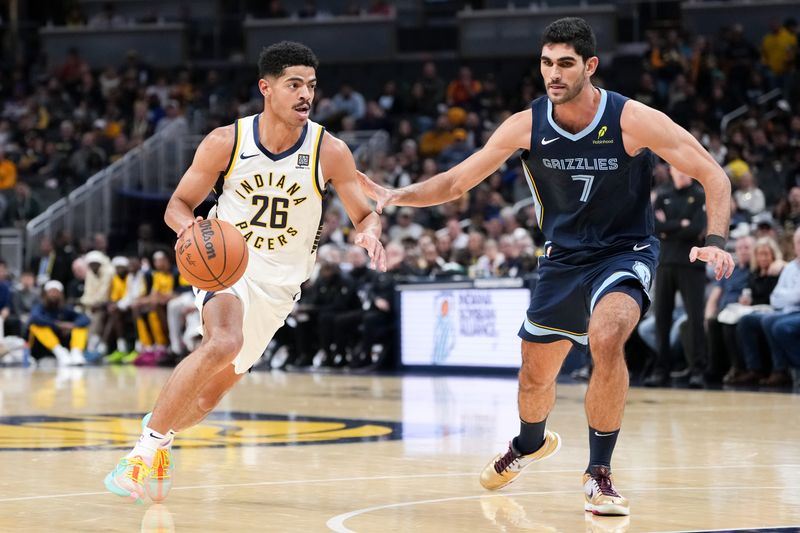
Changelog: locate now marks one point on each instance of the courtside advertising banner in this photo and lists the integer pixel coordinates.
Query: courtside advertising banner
(462, 327)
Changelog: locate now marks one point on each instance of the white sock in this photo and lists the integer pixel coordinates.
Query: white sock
(122, 346)
(149, 442)
(170, 439)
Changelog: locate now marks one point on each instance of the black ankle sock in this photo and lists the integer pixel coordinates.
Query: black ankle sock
(601, 446)
(531, 436)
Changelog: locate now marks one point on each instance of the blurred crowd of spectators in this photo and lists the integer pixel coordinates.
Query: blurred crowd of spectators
(59, 127)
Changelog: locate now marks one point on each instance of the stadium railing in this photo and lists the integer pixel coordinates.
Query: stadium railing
(156, 165)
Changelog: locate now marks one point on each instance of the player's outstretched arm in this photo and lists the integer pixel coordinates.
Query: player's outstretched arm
(645, 127)
(512, 135)
(210, 159)
(340, 169)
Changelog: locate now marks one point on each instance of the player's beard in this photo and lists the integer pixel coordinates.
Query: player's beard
(570, 93)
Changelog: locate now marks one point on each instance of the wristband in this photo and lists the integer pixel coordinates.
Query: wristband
(716, 240)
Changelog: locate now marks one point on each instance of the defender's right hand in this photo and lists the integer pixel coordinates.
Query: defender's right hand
(383, 197)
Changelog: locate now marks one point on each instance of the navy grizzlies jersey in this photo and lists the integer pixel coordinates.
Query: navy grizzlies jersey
(589, 194)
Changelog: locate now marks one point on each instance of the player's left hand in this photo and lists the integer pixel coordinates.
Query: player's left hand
(374, 248)
(721, 260)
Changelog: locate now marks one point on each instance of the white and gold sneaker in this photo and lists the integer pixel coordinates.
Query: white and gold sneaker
(505, 467)
(601, 497)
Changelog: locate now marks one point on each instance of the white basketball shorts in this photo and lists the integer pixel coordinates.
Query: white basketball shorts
(265, 308)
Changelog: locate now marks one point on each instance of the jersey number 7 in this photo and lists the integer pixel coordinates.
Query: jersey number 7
(587, 184)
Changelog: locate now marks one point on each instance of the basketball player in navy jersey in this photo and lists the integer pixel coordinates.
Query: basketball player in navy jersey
(587, 159)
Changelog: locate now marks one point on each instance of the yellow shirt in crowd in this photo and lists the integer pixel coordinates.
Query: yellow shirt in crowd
(119, 287)
(777, 50)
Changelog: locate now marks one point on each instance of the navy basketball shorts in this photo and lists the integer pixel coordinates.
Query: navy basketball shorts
(566, 294)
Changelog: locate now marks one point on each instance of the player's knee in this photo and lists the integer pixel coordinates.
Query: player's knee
(224, 346)
(531, 378)
(606, 342)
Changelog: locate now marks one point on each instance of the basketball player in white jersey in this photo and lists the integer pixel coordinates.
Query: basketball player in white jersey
(273, 168)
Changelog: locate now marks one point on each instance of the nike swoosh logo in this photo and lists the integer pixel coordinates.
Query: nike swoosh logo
(603, 434)
(247, 156)
(155, 436)
(638, 247)
(545, 142)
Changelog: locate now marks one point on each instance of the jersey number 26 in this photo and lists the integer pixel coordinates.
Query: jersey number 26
(278, 212)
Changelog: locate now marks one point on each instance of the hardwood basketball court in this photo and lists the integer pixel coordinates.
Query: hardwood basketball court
(302, 452)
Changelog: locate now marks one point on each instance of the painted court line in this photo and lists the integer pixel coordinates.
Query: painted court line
(383, 478)
(337, 522)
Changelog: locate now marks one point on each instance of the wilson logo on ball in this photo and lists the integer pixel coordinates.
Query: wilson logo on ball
(208, 233)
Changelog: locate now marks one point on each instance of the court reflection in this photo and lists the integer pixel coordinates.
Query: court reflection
(158, 519)
(507, 514)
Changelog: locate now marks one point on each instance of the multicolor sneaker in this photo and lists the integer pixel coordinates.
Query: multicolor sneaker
(601, 496)
(160, 481)
(115, 358)
(130, 357)
(505, 467)
(146, 358)
(128, 479)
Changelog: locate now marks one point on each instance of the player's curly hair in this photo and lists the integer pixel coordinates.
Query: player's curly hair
(573, 31)
(275, 58)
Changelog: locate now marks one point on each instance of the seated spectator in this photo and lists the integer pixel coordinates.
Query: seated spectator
(183, 321)
(54, 325)
(785, 302)
(132, 307)
(765, 265)
(94, 301)
(456, 152)
(405, 226)
(430, 262)
(463, 90)
(22, 207)
(174, 115)
(435, 140)
(8, 172)
(332, 296)
(166, 285)
(379, 316)
(748, 196)
(114, 332)
(349, 103)
(787, 211)
(488, 264)
(6, 302)
(24, 296)
(88, 159)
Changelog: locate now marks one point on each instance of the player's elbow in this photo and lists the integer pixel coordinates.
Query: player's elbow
(458, 187)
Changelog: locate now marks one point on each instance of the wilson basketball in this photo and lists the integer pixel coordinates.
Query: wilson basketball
(212, 255)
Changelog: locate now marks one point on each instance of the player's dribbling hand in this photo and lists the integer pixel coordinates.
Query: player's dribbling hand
(186, 227)
(374, 248)
(721, 260)
(383, 197)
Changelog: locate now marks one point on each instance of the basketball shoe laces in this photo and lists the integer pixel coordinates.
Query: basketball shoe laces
(602, 478)
(139, 470)
(505, 461)
(162, 459)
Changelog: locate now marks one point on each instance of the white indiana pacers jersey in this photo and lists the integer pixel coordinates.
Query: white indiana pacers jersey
(275, 200)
